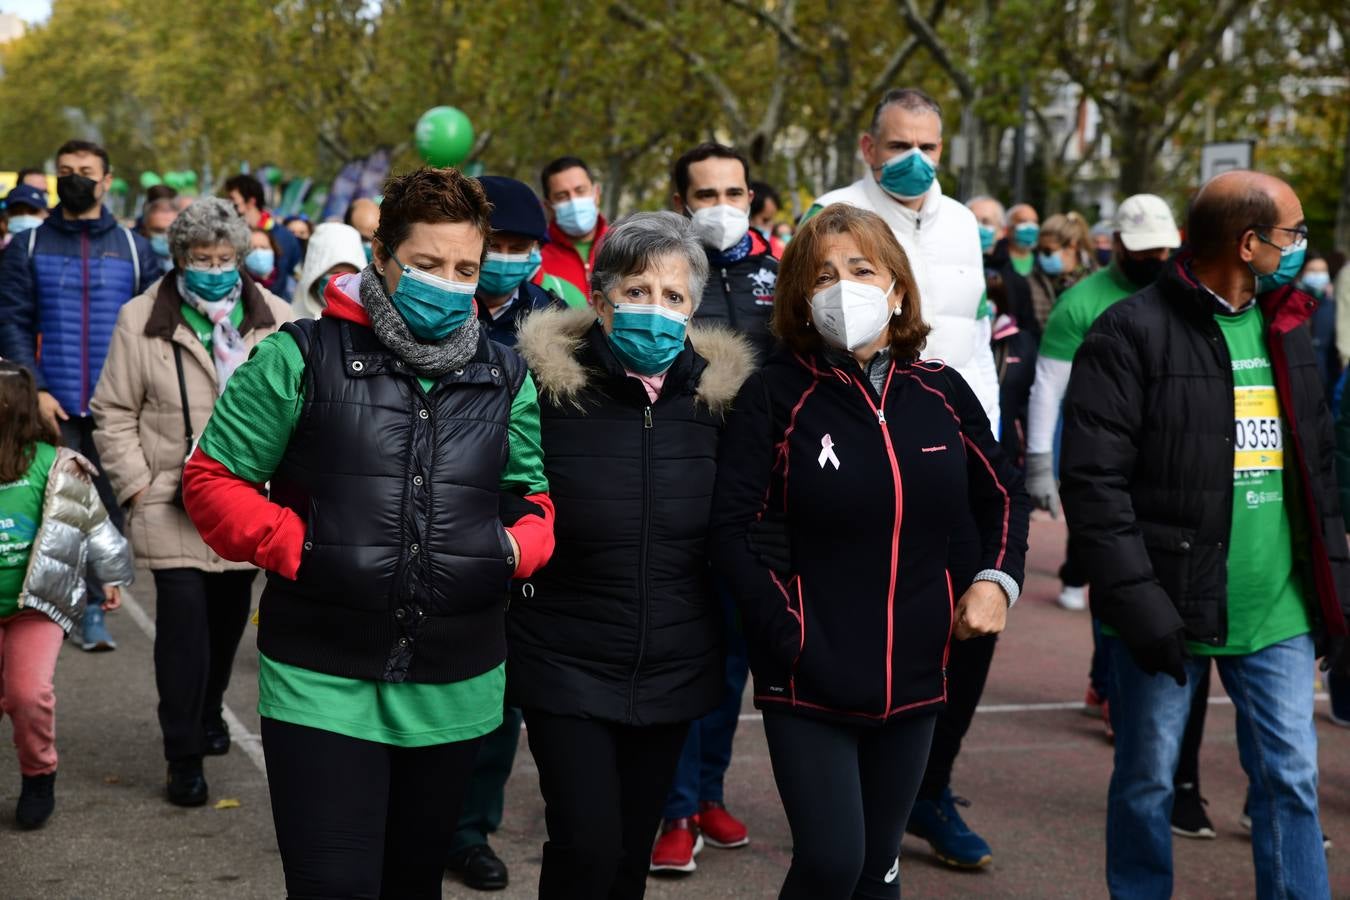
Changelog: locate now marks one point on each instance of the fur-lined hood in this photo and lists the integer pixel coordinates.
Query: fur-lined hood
(550, 339)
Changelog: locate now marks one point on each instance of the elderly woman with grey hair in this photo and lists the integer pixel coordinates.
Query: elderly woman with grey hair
(172, 352)
(616, 645)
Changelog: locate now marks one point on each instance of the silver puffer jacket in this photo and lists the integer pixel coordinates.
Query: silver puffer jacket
(75, 535)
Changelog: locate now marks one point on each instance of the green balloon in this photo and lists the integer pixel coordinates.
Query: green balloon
(173, 180)
(274, 176)
(190, 178)
(443, 136)
(150, 179)
(119, 186)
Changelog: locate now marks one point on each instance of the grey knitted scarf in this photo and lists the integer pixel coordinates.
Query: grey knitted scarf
(430, 360)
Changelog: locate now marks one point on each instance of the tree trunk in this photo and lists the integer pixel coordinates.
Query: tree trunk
(1342, 236)
(1136, 144)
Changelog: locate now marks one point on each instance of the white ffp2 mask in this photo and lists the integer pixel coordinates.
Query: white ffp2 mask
(721, 227)
(850, 314)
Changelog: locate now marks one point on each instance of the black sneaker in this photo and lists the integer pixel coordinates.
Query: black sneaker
(1188, 814)
(37, 799)
(216, 737)
(479, 868)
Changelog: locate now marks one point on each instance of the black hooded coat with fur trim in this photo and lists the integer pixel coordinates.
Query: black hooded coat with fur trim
(621, 625)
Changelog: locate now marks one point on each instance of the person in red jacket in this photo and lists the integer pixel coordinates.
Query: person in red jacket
(575, 229)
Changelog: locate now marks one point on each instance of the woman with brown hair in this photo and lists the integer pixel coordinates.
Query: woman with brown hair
(843, 474)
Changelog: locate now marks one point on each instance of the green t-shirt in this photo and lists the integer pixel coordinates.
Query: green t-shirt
(20, 516)
(1078, 307)
(1023, 265)
(1265, 599)
(249, 430)
(565, 290)
(202, 327)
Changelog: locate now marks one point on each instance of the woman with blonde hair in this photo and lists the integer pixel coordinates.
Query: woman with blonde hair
(1064, 255)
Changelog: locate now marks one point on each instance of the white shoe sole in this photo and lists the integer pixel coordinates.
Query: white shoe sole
(743, 842)
(686, 867)
(1204, 834)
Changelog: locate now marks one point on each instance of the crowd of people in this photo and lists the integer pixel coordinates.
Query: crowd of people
(502, 461)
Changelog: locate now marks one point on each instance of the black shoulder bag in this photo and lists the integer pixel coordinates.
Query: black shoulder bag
(188, 437)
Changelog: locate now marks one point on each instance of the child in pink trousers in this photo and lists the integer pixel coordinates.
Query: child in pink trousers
(53, 528)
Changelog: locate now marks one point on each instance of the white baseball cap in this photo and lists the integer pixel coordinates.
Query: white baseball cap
(1145, 223)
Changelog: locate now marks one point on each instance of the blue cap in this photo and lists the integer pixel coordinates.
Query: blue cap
(515, 208)
(28, 196)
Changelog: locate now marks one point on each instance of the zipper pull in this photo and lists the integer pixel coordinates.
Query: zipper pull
(647, 417)
(881, 416)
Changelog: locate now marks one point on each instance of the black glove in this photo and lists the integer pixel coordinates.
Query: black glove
(1167, 655)
(1336, 660)
(768, 541)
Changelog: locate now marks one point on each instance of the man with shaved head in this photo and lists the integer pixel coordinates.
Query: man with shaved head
(1197, 471)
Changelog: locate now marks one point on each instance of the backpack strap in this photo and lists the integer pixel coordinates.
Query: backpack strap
(135, 261)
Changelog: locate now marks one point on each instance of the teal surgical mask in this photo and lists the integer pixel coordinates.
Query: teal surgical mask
(1025, 234)
(1317, 281)
(909, 175)
(160, 244)
(1291, 263)
(20, 224)
(504, 272)
(987, 233)
(646, 337)
(576, 217)
(211, 284)
(369, 250)
(432, 306)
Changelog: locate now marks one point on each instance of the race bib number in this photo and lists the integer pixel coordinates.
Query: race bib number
(1258, 439)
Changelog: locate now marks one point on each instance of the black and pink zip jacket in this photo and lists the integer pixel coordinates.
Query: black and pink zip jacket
(872, 485)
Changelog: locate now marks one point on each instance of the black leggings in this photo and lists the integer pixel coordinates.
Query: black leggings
(604, 785)
(847, 791)
(361, 820)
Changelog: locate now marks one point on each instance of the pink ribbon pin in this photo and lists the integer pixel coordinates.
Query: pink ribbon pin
(827, 452)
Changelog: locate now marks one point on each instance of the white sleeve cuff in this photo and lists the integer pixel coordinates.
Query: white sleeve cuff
(1003, 580)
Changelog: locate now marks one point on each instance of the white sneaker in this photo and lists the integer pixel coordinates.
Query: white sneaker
(1073, 598)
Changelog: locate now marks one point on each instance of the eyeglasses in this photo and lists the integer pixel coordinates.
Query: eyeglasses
(1300, 234)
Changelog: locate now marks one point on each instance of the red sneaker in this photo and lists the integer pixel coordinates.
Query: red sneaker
(1092, 703)
(675, 849)
(720, 827)
(1106, 720)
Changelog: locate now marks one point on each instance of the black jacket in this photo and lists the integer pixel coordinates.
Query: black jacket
(406, 564)
(1016, 289)
(860, 630)
(1147, 464)
(503, 329)
(620, 625)
(739, 295)
(1015, 356)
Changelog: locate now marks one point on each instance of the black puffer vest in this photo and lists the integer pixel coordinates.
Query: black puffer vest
(406, 565)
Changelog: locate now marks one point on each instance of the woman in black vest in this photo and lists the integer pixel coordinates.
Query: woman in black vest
(407, 487)
(867, 459)
(616, 646)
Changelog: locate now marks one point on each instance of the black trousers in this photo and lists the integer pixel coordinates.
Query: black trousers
(847, 791)
(1188, 764)
(77, 433)
(967, 669)
(604, 785)
(199, 619)
(361, 820)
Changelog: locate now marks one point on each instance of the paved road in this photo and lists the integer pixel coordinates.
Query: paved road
(1035, 769)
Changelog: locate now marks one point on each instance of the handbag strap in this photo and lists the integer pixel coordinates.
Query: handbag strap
(183, 395)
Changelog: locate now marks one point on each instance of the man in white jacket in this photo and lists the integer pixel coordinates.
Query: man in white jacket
(902, 148)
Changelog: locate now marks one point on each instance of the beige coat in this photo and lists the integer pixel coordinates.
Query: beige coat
(139, 416)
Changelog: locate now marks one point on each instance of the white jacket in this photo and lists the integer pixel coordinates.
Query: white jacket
(331, 244)
(949, 269)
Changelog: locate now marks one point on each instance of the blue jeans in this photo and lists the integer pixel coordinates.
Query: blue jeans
(1277, 744)
(1099, 675)
(707, 749)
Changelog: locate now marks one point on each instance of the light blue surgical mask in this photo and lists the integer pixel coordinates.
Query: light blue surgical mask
(160, 244)
(576, 217)
(646, 337)
(20, 224)
(432, 306)
(1025, 234)
(260, 262)
(1291, 263)
(1050, 263)
(211, 284)
(987, 234)
(1317, 281)
(909, 175)
(369, 250)
(504, 272)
